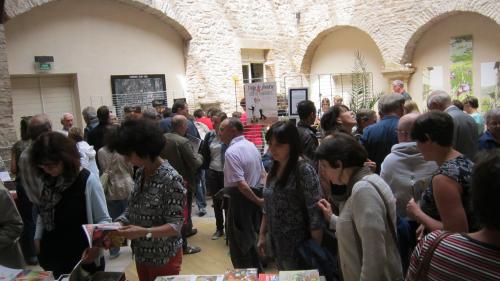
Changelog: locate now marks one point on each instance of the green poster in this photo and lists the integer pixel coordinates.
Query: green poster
(461, 66)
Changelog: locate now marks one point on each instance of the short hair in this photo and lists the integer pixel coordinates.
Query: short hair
(75, 134)
(178, 105)
(472, 101)
(38, 125)
(142, 136)
(495, 112)
(23, 126)
(365, 114)
(305, 108)
(149, 113)
(243, 102)
(439, 97)
(285, 132)
(55, 148)
(167, 112)
(236, 114)
(325, 100)
(458, 104)
(411, 106)
(486, 188)
(329, 121)
(89, 114)
(338, 98)
(211, 111)
(398, 83)
(435, 126)
(344, 148)
(178, 121)
(235, 123)
(221, 115)
(199, 113)
(390, 103)
(103, 114)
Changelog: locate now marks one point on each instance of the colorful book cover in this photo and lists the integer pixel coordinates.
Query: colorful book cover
(100, 235)
(242, 274)
(209, 278)
(268, 277)
(299, 275)
(33, 275)
(175, 278)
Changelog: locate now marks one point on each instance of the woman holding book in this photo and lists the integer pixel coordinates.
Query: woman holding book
(71, 196)
(290, 195)
(154, 216)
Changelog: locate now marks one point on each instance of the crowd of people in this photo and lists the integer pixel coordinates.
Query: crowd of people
(404, 194)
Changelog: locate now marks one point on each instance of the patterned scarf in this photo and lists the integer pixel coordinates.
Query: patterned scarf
(51, 195)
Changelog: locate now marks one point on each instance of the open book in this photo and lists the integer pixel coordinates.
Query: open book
(101, 235)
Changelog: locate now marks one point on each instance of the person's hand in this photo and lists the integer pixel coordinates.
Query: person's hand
(90, 255)
(261, 245)
(326, 208)
(371, 165)
(413, 209)
(131, 231)
(420, 232)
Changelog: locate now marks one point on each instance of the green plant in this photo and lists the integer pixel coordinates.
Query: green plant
(361, 94)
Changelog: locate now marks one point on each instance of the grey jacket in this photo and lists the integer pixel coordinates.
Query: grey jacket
(465, 135)
(11, 227)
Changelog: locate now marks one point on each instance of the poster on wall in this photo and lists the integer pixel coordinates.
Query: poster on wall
(137, 90)
(261, 102)
(461, 65)
(432, 78)
(296, 95)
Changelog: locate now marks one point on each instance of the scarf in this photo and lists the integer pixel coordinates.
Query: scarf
(51, 195)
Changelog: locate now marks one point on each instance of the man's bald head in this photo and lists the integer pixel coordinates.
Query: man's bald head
(38, 125)
(438, 100)
(405, 125)
(179, 124)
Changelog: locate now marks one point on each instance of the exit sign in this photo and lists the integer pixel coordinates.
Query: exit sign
(44, 66)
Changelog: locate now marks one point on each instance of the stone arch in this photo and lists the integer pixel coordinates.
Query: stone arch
(305, 66)
(410, 46)
(164, 11)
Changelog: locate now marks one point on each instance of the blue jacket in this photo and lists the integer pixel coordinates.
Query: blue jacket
(487, 142)
(379, 138)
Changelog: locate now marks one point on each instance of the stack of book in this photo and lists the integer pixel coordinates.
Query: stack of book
(248, 274)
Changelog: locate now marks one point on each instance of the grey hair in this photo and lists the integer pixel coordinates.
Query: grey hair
(439, 97)
(398, 83)
(389, 103)
(89, 113)
(491, 114)
(178, 121)
(149, 113)
(235, 123)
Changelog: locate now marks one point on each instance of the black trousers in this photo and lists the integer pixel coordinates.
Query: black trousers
(215, 182)
(27, 212)
(188, 227)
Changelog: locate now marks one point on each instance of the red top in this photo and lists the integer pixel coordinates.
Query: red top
(206, 121)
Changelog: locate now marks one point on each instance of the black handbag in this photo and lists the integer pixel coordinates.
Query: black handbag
(315, 256)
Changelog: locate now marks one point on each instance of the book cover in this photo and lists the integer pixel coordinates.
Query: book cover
(101, 235)
(268, 277)
(242, 274)
(299, 275)
(175, 278)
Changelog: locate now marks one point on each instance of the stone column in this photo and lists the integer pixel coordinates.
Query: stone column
(7, 132)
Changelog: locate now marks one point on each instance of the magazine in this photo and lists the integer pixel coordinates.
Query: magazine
(10, 274)
(100, 235)
(248, 274)
(268, 277)
(299, 275)
(190, 278)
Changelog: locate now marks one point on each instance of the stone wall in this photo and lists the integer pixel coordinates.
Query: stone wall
(216, 30)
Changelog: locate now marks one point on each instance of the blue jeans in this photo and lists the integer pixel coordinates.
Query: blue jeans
(115, 209)
(200, 190)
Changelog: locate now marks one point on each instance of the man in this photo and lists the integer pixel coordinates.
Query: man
(408, 175)
(307, 115)
(200, 116)
(179, 153)
(243, 171)
(96, 136)
(379, 138)
(66, 122)
(30, 178)
(90, 117)
(465, 135)
(398, 87)
(179, 108)
(491, 138)
(11, 226)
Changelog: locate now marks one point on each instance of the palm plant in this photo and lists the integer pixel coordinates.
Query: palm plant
(361, 93)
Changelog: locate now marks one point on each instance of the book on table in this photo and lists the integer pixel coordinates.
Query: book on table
(299, 275)
(102, 235)
(241, 274)
(190, 278)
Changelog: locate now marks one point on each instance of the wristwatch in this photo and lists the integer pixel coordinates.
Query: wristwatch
(149, 234)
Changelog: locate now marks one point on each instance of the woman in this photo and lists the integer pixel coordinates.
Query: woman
(154, 215)
(445, 204)
(364, 118)
(473, 256)
(291, 192)
(366, 224)
(213, 154)
(338, 118)
(71, 196)
(491, 138)
(25, 206)
(87, 152)
(116, 179)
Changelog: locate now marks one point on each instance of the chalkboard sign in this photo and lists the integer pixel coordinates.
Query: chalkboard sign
(137, 90)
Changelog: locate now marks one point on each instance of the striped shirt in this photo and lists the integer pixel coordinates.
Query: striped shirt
(457, 257)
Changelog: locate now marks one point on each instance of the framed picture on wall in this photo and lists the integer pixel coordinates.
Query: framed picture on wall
(296, 95)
